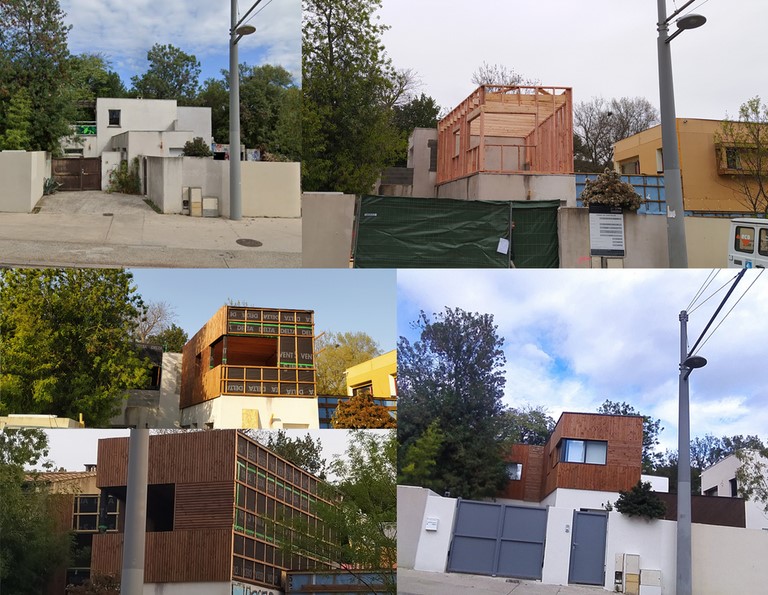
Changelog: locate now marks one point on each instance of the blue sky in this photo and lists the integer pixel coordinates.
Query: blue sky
(343, 299)
(576, 338)
(124, 31)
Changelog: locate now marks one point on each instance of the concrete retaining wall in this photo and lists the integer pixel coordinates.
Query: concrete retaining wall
(22, 175)
(326, 229)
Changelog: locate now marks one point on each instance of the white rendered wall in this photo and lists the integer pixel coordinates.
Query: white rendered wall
(135, 114)
(557, 552)
(274, 413)
(411, 503)
(569, 498)
(432, 554)
(658, 484)
(512, 187)
(418, 159)
(719, 475)
(271, 189)
(110, 160)
(196, 120)
(22, 174)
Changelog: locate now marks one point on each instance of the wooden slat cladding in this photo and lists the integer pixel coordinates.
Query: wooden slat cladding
(622, 470)
(181, 458)
(528, 488)
(204, 505)
(195, 358)
(709, 510)
(173, 556)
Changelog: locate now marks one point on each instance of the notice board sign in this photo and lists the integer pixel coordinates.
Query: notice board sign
(606, 231)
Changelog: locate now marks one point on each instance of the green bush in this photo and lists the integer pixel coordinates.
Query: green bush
(197, 148)
(641, 501)
(125, 179)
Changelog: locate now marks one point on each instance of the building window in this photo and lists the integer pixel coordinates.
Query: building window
(711, 491)
(745, 239)
(732, 160)
(515, 471)
(365, 389)
(583, 451)
(114, 117)
(762, 245)
(432, 144)
(631, 168)
(734, 488)
(659, 161)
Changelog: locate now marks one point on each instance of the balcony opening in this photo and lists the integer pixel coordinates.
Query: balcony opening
(160, 507)
(244, 351)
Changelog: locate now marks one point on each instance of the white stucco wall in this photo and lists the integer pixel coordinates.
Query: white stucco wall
(568, 498)
(557, 552)
(154, 408)
(22, 175)
(719, 476)
(212, 176)
(327, 221)
(110, 160)
(418, 159)
(270, 189)
(135, 114)
(411, 503)
(274, 413)
(658, 484)
(196, 120)
(164, 183)
(654, 541)
(432, 554)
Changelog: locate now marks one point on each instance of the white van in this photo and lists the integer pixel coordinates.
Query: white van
(748, 243)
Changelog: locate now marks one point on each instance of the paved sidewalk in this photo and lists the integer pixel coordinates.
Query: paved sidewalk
(100, 229)
(416, 582)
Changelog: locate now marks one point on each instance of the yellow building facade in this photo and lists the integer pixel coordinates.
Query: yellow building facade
(377, 377)
(708, 184)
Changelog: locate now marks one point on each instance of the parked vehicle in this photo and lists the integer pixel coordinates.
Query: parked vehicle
(748, 243)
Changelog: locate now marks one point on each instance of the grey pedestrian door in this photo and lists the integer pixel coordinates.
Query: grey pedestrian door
(497, 539)
(588, 548)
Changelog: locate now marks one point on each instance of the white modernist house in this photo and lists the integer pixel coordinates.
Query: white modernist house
(720, 480)
(129, 128)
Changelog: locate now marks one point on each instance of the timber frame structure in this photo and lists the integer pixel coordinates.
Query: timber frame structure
(507, 130)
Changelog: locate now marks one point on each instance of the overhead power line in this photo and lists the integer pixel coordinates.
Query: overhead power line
(720, 307)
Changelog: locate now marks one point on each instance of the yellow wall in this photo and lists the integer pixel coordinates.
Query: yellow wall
(703, 188)
(377, 370)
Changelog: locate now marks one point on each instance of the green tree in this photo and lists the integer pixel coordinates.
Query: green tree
(744, 152)
(66, 342)
(172, 338)
(305, 452)
(215, 94)
(454, 374)
(92, 77)
(419, 464)
(34, 57)
(527, 425)
(97, 584)
(172, 74)
(335, 352)
(651, 429)
(263, 94)
(752, 474)
(17, 123)
(359, 412)
(359, 511)
(418, 112)
(197, 147)
(31, 548)
(641, 501)
(347, 132)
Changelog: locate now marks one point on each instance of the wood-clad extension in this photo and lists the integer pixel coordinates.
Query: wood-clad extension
(623, 466)
(202, 555)
(202, 460)
(528, 487)
(507, 129)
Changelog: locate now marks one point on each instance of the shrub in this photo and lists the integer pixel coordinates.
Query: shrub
(197, 148)
(641, 501)
(125, 179)
(608, 189)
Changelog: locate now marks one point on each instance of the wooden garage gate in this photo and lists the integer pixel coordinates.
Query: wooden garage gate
(78, 173)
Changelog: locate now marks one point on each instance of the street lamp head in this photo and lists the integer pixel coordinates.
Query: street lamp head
(693, 362)
(691, 21)
(245, 30)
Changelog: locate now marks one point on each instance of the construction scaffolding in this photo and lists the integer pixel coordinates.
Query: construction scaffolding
(507, 130)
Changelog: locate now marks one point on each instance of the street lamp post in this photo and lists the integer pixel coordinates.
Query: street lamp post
(236, 31)
(687, 365)
(678, 253)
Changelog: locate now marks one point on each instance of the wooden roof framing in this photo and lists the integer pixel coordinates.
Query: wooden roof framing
(507, 129)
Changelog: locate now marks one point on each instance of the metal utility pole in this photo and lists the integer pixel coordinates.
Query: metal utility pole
(683, 468)
(132, 582)
(235, 197)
